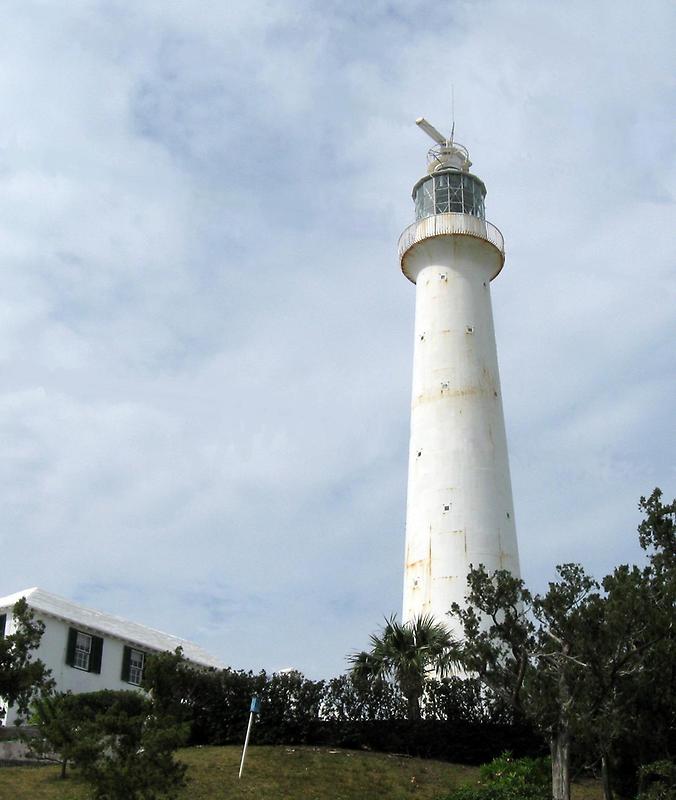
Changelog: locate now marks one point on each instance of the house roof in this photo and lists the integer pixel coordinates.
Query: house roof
(52, 605)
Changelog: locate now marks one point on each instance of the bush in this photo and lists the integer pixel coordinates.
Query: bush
(506, 778)
(461, 723)
(658, 781)
(463, 699)
(122, 746)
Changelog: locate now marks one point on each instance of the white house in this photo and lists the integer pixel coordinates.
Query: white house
(87, 650)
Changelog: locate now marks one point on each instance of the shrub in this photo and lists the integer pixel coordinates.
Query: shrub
(461, 722)
(506, 778)
(658, 781)
(122, 746)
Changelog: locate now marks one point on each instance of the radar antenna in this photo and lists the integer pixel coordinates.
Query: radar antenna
(431, 131)
(446, 154)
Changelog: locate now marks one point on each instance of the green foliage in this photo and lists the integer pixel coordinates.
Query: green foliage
(58, 719)
(215, 703)
(658, 781)
(465, 699)
(121, 745)
(406, 653)
(463, 722)
(134, 758)
(171, 682)
(22, 678)
(349, 698)
(506, 778)
(657, 533)
(586, 662)
(290, 708)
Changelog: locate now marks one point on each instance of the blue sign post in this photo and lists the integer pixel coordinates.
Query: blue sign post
(254, 711)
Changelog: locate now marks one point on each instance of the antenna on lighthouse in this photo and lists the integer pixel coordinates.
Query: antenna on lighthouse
(447, 154)
(430, 130)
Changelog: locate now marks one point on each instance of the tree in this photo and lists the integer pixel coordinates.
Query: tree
(118, 741)
(526, 650)
(407, 653)
(58, 718)
(134, 756)
(557, 681)
(583, 660)
(657, 680)
(170, 681)
(631, 676)
(21, 676)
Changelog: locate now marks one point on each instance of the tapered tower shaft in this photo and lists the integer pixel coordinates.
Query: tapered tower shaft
(459, 506)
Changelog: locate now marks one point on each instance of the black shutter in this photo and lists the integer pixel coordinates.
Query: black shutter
(126, 661)
(3, 623)
(70, 647)
(95, 655)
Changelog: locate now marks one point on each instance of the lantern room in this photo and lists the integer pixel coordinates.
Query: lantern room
(449, 191)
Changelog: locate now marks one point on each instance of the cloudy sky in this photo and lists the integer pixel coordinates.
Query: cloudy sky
(205, 338)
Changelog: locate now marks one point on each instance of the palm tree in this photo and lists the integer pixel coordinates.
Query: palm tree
(407, 653)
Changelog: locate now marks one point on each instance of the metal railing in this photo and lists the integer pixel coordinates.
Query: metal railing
(440, 224)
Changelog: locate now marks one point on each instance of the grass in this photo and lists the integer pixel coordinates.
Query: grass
(280, 773)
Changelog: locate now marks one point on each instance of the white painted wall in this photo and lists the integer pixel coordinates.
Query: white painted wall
(52, 651)
(458, 448)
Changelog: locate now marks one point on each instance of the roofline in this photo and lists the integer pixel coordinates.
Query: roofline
(9, 601)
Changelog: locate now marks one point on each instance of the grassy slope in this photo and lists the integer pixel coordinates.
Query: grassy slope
(279, 773)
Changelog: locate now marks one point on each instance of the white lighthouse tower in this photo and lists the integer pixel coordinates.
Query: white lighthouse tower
(459, 506)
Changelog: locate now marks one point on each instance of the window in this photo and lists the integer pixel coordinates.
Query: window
(424, 200)
(84, 651)
(133, 662)
(442, 203)
(136, 667)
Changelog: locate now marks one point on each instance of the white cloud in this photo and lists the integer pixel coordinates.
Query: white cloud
(205, 341)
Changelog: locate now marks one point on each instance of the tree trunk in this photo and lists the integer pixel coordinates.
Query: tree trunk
(413, 702)
(64, 764)
(605, 776)
(559, 746)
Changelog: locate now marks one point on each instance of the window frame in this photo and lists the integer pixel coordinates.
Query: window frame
(81, 655)
(132, 673)
(92, 663)
(136, 671)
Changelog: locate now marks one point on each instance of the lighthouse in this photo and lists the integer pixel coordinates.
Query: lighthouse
(459, 503)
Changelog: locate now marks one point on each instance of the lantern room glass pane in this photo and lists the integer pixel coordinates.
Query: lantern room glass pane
(442, 203)
(454, 192)
(424, 200)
